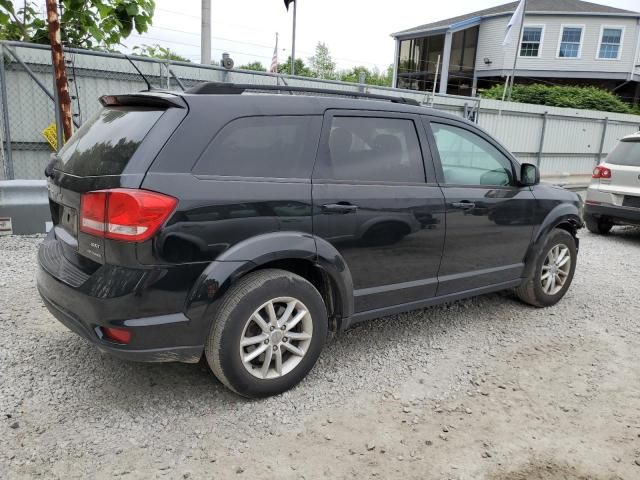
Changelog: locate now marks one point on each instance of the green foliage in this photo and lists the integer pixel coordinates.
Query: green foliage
(157, 51)
(371, 77)
(255, 66)
(321, 64)
(590, 98)
(300, 68)
(83, 23)
(22, 24)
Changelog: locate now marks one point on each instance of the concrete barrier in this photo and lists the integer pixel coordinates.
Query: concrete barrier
(24, 207)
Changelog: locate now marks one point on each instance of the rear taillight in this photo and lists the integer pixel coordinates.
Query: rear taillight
(124, 214)
(601, 172)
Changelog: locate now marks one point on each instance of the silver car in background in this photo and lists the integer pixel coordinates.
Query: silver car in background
(613, 197)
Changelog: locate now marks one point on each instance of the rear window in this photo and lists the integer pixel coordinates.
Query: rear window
(625, 153)
(373, 149)
(105, 143)
(270, 146)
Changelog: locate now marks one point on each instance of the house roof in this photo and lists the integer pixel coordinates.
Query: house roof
(533, 6)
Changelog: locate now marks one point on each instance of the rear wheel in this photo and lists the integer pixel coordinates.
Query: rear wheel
(553, 271)
(599, 226)
(269, 330)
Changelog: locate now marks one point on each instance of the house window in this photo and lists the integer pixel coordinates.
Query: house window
(610, 42)
(531, 39)
(570, 42)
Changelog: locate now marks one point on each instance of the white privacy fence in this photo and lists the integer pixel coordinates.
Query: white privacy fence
(563, 142)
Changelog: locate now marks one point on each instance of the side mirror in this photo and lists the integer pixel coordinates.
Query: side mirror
(529, 175)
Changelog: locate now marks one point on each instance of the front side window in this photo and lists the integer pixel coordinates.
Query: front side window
(373, 150)
(531, 39)
(570, 42)
(610, 43)
(269, 146)
(468, 159)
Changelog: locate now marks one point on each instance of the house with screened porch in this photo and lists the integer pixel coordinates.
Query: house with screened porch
(566, 42)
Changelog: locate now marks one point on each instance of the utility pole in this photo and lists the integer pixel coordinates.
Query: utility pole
(59, 72)
(205, 33)
(293, 41)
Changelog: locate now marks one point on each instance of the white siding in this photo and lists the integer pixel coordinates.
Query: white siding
(492, 33)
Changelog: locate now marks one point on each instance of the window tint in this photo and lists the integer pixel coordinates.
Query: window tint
(531, 38)
(625, 153)
(373, 149)
(105, 143)
(275, 146)
(610, 43)
(468, 159)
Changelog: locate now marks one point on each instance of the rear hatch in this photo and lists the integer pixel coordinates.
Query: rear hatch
(113, 149)
(624, 164)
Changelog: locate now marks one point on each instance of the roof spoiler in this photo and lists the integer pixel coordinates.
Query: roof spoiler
(158, 100)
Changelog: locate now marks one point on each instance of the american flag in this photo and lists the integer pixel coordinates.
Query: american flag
(274, 60)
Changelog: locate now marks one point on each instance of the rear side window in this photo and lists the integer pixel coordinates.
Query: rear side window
(625, 153)
(270, 146)
(373, 149)
(105, 143)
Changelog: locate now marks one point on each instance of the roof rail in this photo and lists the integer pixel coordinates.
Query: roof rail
(220, 88)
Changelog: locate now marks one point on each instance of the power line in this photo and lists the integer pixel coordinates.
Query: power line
(198, 46)
(305, 52)
(215, 21)
(262, 45)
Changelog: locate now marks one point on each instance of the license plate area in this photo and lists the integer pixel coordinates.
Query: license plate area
(631, 201)
(68, 219)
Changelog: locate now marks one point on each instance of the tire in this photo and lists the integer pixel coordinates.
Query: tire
(236, 321)
(599, 226)
(535, 291)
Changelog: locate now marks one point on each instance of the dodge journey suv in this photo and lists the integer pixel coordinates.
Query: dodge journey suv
(245, 225)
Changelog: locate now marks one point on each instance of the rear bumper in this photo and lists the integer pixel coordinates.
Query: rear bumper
(614, 213)
(187, 354)
(156, 336)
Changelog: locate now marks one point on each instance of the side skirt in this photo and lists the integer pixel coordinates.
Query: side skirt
(406, 307)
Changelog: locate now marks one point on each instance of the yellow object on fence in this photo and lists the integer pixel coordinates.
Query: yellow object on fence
(50, 134)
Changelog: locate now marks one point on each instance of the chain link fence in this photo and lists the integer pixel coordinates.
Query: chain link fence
(27, 107)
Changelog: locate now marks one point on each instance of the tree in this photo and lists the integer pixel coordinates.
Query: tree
(83, 23)
(321, 64)
(255, 66)
(300, 69)
(371, 77)
(158, 51)
(23, 24)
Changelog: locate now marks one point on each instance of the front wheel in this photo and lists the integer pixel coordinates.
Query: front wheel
(268, 333)
(553, 271)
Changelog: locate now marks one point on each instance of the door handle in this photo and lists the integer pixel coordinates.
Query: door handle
(339, 208)
(464, 205)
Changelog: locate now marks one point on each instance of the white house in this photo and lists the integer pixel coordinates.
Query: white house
(563, 42)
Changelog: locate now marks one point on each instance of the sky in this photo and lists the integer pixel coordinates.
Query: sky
(357, 32)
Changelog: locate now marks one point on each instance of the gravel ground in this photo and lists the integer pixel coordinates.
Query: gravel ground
(486, 388)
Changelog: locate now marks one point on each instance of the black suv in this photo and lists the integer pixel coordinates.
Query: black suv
(246, 224)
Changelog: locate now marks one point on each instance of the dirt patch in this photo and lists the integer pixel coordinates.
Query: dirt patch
(548, 471)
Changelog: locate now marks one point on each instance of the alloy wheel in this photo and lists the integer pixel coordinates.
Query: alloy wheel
(276, 337)
(555, 269)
